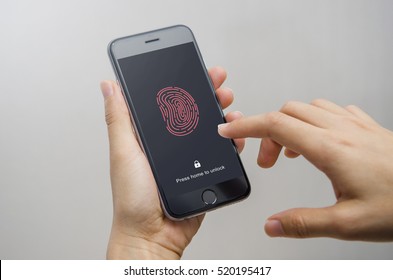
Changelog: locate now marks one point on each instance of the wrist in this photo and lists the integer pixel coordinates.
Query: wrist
(124, 246)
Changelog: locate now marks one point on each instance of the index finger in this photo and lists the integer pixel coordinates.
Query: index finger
(288, 131)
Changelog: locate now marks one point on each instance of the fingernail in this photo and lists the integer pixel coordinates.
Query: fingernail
(221, 127)
(106, 89)
(274, 228)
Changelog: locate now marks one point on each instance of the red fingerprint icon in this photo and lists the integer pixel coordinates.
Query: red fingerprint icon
(179, 110)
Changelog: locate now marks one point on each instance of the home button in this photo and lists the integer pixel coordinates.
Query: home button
(209, 197)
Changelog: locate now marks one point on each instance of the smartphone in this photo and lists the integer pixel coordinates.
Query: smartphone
(175, 113)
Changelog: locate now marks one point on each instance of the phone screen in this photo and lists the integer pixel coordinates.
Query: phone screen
(176, 112)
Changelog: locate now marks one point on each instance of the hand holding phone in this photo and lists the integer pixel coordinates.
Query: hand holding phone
(140, 230)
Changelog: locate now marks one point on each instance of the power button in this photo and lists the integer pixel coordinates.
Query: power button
(209, 197)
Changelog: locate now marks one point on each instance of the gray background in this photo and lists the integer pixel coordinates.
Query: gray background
(55, 198)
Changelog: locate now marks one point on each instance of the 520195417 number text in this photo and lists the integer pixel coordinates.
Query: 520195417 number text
(244, 270)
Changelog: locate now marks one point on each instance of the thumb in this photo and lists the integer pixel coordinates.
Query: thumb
(302, 223)
(122, 140)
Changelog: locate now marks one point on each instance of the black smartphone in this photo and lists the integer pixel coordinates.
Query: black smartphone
(175, 112)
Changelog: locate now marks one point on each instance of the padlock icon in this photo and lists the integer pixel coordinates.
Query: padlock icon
(197, 164)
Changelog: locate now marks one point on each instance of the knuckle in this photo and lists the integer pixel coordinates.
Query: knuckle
(353, 121)
(351, 107)
(289, 106)
(110, 118)
(318, 102)
(273, 119)
(115, 116)
(298, 226)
